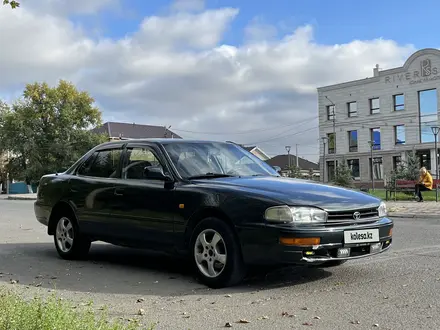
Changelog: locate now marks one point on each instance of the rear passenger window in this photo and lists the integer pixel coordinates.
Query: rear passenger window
(102, 164)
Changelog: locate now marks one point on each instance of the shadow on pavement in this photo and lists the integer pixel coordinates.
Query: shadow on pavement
(117, 270)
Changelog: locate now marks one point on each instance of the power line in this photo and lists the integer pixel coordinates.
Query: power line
(249, 131)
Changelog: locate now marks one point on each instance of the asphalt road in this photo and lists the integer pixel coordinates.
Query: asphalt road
(397, 290)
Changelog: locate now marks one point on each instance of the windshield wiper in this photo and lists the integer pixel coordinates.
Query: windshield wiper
(210, 175)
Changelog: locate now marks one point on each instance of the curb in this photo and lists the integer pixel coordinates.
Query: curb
(414, 216)
(22, 198)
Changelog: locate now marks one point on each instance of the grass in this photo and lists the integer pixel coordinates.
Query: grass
(53, 313)
(380, 193)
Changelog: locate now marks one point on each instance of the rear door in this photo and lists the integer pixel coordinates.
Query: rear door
(92, 188)
(144, 206)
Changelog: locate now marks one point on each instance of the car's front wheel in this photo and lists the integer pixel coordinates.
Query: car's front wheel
(69, 242)
(217, 254)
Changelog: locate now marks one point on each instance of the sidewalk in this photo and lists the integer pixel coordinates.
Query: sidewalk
(412, 209)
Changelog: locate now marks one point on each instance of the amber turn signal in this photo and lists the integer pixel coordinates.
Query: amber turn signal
(303, 241)
(391, 232)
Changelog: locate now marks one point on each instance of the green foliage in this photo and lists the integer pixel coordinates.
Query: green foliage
(14, 4)
(407, 170)
(53, 313)
(48, 130)
(294, 172)
(343, 175)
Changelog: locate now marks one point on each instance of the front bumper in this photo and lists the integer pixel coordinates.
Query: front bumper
(42, 213)
(261, 245)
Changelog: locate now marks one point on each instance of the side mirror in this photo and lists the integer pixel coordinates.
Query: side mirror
(156, 173)
(277, 168)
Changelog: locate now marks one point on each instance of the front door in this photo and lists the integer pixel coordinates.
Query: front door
(142, 205)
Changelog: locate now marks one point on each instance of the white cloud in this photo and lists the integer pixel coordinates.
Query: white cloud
(174, 71)
(188, 5)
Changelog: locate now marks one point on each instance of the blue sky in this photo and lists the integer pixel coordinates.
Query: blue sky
(334, 22)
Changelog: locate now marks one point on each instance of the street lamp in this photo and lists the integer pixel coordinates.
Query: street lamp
(435, 130)
(288, 157)
(371, 143)
(324, 141)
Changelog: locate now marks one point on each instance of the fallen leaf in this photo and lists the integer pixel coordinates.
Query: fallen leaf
(284, 314)
(355, 322)
(228, 325)
(14, 281)
(243, 321)
(304, 308)
(228, 296)
(376, 325)
(307, 323)
(38, 285)
(317, 318)
(141, 312)
(140, 300)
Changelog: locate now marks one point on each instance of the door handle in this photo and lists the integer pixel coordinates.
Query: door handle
(119, 192)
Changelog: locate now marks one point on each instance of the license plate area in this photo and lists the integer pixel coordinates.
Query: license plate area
(361, 236)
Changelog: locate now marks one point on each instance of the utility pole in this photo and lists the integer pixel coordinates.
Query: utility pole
(334, 133)
(288, 157)
(371, 143)
(324, 141)
(296, 155)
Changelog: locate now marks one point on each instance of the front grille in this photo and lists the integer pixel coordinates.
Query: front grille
(348, 216)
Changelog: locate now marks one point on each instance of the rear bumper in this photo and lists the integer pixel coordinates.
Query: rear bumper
(262, 245)
(42, 213)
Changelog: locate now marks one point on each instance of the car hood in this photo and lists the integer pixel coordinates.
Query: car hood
(297, 192)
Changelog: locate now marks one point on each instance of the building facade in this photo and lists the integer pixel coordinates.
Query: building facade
(381, 118)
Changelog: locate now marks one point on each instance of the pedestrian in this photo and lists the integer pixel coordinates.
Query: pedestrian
(424, 184)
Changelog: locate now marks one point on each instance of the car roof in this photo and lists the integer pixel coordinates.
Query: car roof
(160, 141)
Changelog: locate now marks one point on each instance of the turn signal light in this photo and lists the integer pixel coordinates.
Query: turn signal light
(391, 232)
(303, 241)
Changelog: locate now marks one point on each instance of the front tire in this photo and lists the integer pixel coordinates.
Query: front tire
(216, 254)
(69, 242)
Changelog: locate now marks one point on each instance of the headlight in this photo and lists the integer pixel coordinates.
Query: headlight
(286, 214)
(382, 210)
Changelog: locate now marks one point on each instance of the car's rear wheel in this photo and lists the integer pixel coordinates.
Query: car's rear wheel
(69, 242)
(217, 254)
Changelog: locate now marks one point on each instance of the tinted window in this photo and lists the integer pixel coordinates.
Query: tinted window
(102, 164)
(139, 158)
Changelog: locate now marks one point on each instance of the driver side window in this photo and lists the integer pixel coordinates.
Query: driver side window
(140, 160)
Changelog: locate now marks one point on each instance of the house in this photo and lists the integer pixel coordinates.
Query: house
(307, 167)
(258, 152)
(117, 131)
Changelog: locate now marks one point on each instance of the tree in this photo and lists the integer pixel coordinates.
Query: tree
(48, 130)
(294, 172)
(14, 4)
(344, 176)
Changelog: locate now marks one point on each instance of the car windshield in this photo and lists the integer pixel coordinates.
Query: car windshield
(215, 159)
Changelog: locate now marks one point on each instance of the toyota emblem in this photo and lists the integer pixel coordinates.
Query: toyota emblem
(356, 215)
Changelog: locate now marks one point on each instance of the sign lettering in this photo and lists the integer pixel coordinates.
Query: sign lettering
(426, 73)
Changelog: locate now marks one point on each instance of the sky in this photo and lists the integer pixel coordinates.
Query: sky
(245, 71)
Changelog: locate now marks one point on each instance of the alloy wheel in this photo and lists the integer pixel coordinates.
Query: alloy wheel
(210, 253)
(64, 234)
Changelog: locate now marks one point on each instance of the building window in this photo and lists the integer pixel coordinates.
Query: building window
(399, 102)
(352, 141)
(399, 134)
(428, 114)
(330, 112)
(424, 158)
(353, 165)
(375, 138)
(397, 161)
(352, 109)
(331, 143)
(374, 106)
(377, 168)
(331, 170)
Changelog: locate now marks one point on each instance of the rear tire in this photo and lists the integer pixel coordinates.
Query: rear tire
(69, 242)
(216, 254)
